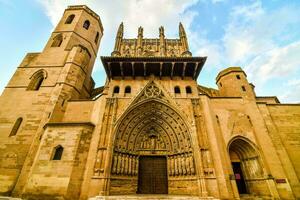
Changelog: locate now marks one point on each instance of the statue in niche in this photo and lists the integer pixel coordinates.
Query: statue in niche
(153, 139)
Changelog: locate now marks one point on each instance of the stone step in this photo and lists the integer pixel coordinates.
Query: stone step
(9, 198)
(254, 197)
(150, 197)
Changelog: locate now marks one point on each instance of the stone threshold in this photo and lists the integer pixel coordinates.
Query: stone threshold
(9, 198)
(150, 197)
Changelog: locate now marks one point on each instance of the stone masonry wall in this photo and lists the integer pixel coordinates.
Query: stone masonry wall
(51, 178)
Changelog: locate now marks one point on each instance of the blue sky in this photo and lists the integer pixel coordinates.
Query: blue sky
(263, 37)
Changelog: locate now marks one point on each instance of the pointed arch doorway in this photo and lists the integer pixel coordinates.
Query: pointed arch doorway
(152, 146)
(247, 167)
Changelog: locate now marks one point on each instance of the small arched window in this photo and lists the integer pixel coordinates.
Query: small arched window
(37, 80)
(243, 89)
(16, 127)
(238, 77)
(58, 151)
(57, 40)
(127, 90)
(97, 38)
(116, 90)
(177, 90)
(86, 24)
(188, 90)
(70, 19)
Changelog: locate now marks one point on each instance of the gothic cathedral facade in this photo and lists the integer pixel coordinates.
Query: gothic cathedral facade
(151, 129)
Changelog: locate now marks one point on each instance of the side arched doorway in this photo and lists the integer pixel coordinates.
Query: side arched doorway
(152, 151)
(247, 167)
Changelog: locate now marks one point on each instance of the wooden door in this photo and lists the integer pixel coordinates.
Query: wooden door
(152, 178)
(239, 178)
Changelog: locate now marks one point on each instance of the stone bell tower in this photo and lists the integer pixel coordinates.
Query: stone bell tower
(74, 45)
(39, 91)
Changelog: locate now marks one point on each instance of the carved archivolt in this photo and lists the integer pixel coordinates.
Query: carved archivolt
(152, 127)
(249, 156)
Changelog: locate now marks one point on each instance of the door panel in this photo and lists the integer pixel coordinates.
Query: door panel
(239, 177)
(152, 178)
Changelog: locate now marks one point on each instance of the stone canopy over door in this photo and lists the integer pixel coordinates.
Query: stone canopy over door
(151, 130)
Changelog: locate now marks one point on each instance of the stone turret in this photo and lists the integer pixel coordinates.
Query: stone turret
(232, 82)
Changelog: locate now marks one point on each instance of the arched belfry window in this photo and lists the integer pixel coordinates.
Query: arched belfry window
(177, 90)
(86, 24)
(116, 90)
(58, 151)
(37, 80)
(16, 127)
(97, 38)
(57, 40)
(70, 19)
(188, 90)
(127, 90)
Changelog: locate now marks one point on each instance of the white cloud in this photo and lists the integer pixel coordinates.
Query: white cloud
(217, 1)
(278, 62)
(252, 39)
(291, 95)
(245, 34)
(293, 82)
(214, 53)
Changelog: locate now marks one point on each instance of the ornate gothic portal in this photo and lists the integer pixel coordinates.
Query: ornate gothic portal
(151, 128)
